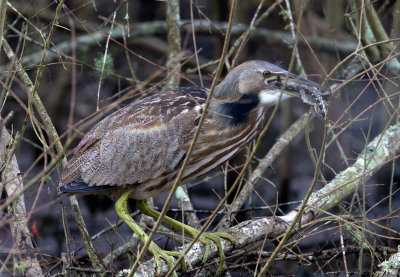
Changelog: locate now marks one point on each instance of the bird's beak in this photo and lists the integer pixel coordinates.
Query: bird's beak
(292, 84)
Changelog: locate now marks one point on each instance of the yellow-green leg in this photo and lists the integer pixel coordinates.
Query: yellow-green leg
(122, 210)
(204, 238)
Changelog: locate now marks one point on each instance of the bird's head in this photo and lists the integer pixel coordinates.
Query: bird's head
(264, 79)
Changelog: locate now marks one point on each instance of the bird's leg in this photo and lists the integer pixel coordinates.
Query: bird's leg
(204, 238)
(122, 210)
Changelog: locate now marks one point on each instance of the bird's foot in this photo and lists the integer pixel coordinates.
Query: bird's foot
(216, 238)
(159, 254)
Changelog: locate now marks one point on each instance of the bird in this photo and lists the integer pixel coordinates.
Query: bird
(137, 151)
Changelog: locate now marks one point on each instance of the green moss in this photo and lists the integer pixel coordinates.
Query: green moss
(47, 178)
(108, 66)
(20, 267)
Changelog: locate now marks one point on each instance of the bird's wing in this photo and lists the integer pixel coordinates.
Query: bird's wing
(140, 142)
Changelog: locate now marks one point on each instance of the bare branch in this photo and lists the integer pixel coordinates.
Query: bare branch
(12, 182)
(174, 43)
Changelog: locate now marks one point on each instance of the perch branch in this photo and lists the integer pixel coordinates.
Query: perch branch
(378, 152)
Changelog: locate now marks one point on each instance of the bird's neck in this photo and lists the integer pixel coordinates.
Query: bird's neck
(238, 112)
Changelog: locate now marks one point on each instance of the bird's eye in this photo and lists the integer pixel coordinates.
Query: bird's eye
(266, 73)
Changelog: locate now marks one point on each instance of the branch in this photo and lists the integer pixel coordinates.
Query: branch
(174, 43)
(262, 166)
(3, 9)
(391, 267)
(378, 152)
(245, 234)
(366, 35)
(379, 33)
(155, 28)
(12, 181)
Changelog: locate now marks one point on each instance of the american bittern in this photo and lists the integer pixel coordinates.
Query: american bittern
(137, 151)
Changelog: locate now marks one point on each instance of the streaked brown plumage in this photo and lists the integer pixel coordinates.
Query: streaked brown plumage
(143, 144)
(140, 147)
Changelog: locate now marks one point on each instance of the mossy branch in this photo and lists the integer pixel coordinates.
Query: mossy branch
(378, 152)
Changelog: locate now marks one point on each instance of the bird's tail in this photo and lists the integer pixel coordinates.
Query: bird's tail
(82, 187)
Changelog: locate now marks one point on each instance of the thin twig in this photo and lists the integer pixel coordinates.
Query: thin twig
(294, 34)
(188, 155)
(73, 76)
(283, 141)
(103, 65)
(195, 44)
(310, 189)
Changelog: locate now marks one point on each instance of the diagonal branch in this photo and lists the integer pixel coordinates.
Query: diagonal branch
(263, 165)
(380, 151)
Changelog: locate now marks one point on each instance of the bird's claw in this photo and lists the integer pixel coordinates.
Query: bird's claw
(159, 254)
(216, 238)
